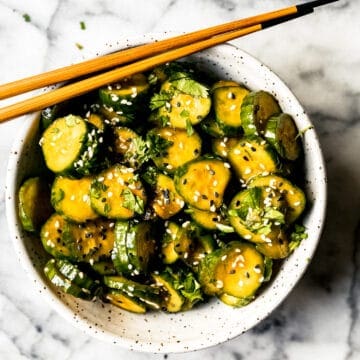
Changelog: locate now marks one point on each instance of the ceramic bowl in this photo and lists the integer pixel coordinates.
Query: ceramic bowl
(208, 324)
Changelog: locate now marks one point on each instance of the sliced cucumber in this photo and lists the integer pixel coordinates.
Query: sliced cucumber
(87, 242)
(77, 276)
(70, 146)
(126, 98)
(202, 183)
(71, 198)
(96, 120)
(63, 283)
(117, 193)
(134, 247)
(176, 243)
(105, 267)
(251, 157)
(277, 249)
(237, 270)
(207, 219)
(257, 215)
(56, 238)
(173, 299)
(184, 101)
(212, 128)
(34, 203)
(222, 146)
(281, 132)
(256, 109)
(294, 197)
(227, 102)
(126, 302)
(150, 295)
(167, 202)
(178, 148)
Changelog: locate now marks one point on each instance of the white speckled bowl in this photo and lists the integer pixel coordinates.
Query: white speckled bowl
(206, 325)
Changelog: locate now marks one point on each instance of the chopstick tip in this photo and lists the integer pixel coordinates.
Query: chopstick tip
(313, 4)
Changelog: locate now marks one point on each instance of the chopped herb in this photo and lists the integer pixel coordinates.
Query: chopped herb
(297, 236)
(189, 128)
(97, 187)
(27, 17)
(157, 145)
(184, 113)
(152, 79)
(159, 100)
(268, 263)
(79, 46)
(82, 25)
(190, 86)
(186, 284)
(150, 175)
(133, 202)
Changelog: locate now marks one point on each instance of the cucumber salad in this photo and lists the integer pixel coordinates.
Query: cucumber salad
(166, 189)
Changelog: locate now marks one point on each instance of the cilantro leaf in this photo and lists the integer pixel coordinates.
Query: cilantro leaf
(189, 128)
(133, 202)
(297, 236)
(160, 99)
(190, 87)
(157, 145)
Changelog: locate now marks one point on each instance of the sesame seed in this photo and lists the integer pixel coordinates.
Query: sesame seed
(219, 284)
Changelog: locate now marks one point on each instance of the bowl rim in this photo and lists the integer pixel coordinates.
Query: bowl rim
(66, 312)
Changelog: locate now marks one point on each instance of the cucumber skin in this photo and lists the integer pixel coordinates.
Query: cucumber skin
(271, 135)
(248, 118)
(85, 163)
(62, 282)
(32, 222)
(119, 254)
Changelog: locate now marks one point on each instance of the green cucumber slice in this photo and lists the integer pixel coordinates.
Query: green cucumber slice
(256, 109)
(281, 132)
(34, 203)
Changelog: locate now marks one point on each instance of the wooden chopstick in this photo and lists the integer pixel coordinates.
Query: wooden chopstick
(81, 87)
(141, 52)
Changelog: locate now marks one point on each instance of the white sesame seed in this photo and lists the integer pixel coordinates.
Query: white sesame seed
(219, 284)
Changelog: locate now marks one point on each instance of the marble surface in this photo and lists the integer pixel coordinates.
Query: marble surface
(318, 57)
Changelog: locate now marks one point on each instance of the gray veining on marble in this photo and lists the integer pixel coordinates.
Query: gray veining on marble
(318, 57)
